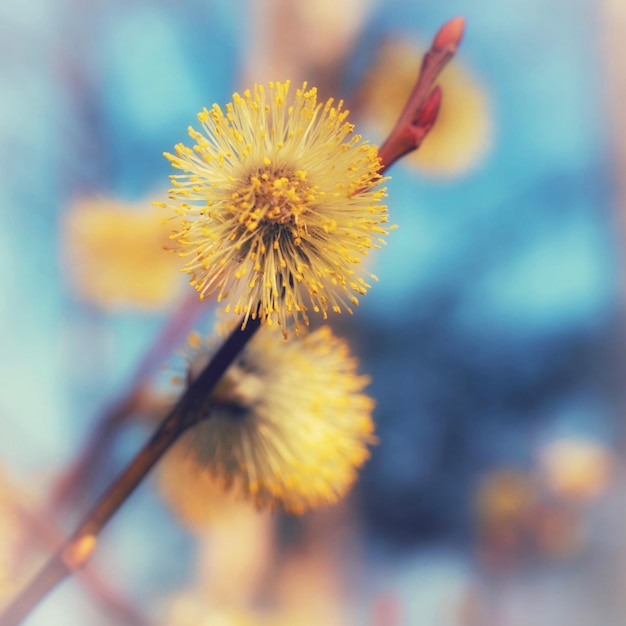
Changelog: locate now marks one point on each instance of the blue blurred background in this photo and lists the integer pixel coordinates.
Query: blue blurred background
(494, 338)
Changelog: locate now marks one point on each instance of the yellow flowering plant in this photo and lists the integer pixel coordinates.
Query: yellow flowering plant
(274, 209)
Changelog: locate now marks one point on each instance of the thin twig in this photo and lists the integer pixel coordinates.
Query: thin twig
(422, 107)
(190, 409)
(43, 534)
(75, 480)
(110, 599)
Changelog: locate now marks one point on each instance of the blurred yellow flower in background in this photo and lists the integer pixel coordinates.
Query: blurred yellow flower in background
(463, 131)
(114, 255)
(192, 608)
(505, 496)
(576, 469)
(505, 505)
(289, 422)
(278, 205)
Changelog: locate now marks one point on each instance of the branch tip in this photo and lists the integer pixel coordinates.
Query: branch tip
(450, 34)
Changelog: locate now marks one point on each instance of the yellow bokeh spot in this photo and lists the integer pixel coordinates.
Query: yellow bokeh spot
(114, 256)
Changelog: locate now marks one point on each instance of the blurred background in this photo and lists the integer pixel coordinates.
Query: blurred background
(495, 337)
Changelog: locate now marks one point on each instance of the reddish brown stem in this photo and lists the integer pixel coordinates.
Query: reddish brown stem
(110, 599)
(422, 107)
(74, 481)
(190, 409)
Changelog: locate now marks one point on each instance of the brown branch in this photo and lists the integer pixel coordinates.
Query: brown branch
(420, 112)
(110, 598)
(190, 409)
(76, 479)
(44, 535)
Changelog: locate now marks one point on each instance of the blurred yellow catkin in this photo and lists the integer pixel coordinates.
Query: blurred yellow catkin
(114, 256)
(289, 423)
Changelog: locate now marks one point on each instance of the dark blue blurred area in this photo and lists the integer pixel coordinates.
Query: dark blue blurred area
(498, 317)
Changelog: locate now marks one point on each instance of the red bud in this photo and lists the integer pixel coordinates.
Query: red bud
(450, 34)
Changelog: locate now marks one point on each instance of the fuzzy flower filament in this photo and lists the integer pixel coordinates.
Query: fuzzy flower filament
(278, 203)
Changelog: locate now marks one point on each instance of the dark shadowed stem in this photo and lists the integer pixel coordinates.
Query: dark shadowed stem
(190, 409)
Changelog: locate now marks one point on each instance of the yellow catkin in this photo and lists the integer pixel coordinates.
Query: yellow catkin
(289, 422)
(278, 202)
